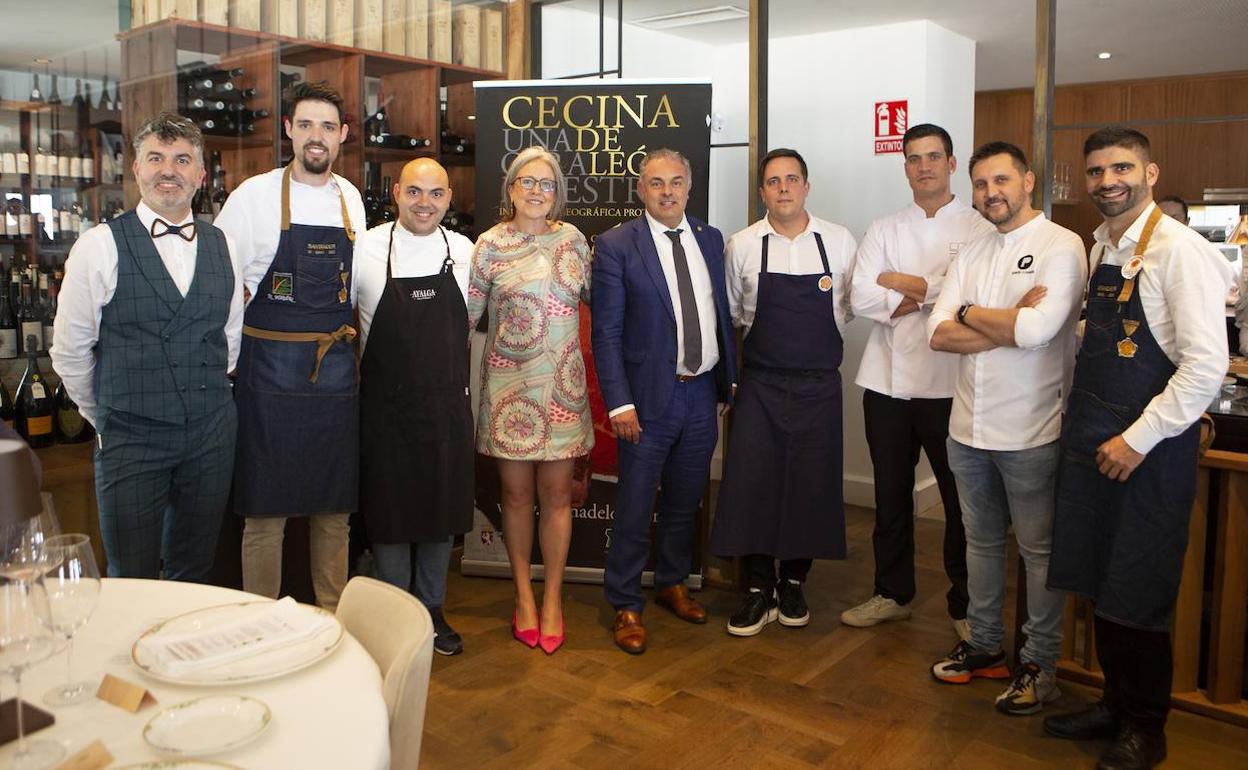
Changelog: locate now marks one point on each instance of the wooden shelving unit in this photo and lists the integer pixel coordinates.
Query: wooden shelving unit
(149, 56)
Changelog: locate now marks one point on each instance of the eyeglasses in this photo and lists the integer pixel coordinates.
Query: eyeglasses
(545, 185)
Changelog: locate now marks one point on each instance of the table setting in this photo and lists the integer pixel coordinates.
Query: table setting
(129, 673)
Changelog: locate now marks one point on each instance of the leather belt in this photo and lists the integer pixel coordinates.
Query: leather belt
(324, 341)
(688, 377)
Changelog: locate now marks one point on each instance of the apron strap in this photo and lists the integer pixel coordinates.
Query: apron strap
(823, 254)
(763, 267)
(1128, 284)
(324, 341)
(447, 264)
(342, 201)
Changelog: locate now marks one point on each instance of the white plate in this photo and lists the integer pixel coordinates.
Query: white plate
(207, 726)
(269, 664)
(181, 764)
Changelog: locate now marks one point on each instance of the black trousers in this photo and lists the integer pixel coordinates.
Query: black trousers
(896, 430)
(1138, 666)
(760, 570)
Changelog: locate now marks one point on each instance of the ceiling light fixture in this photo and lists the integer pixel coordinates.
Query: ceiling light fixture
(42, 60)
(1104, 55)
(690, 18)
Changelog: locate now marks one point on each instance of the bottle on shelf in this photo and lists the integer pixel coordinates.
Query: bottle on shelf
(25, 222)
(23, 161)
(53, 96)
(77, 100)
(65, 159)
(33, 406)
(8, 326)
(217, 191)
(69, 424)
(29, 321)
(371, 202)
(86, 160)
(8, 156)
(50, 290)
(7, 415)
(35, 94)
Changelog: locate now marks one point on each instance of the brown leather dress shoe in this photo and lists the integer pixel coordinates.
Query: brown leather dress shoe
(677, 599)
(630, 634)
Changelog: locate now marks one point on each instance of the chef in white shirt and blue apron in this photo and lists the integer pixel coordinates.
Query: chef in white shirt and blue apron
(297, 388)
(781, 498)
(417, 445)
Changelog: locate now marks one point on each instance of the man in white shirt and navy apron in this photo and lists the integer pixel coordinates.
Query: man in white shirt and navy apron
(1153, 357)
(146, 332)
(1009, 307)
(416, 448)
(787, 280)
(908, 387)
(297, 388)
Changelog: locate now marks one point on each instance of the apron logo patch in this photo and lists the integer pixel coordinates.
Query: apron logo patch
(825, 283)
(423, 294)
(283, 287)
(1127, 348)
(954, 248)
(1106, 291)
(1025, 261)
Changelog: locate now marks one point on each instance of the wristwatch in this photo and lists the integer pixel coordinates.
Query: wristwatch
(963, 310)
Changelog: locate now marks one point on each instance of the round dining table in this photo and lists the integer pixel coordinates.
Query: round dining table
(329, 715)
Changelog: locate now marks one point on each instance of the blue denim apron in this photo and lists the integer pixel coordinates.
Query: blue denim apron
(782, 493)
(298, 382)
(1121, 543)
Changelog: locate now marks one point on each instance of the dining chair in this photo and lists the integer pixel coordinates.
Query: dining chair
(397, 631)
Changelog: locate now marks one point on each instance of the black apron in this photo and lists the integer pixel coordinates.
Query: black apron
(416, 457)
(298, 380)
(1121, 543)
(781, 493)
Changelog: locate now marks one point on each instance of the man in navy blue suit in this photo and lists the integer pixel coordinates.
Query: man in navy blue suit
(663, 345)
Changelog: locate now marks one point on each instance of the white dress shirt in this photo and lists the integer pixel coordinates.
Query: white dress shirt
(89, 283)
(897, 361)
(252, 215)
(1182, 287)
(743, 260)
(413, 256)
(703, 294)
(1011, 398)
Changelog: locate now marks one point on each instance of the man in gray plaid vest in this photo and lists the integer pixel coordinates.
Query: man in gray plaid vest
(147, 328)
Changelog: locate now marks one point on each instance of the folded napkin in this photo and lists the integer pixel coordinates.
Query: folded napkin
(268, 627)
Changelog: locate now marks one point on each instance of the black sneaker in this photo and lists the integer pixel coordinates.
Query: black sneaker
(445, 640)
(757, 611)
(793, 610)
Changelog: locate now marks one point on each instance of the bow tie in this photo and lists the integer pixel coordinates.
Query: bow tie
(186, 232)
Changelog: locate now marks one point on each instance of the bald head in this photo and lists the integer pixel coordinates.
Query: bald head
(423, 195)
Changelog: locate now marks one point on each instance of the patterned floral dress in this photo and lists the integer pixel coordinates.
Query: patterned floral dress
(533, 395)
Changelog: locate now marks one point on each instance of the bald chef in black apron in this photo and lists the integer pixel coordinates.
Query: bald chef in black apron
(297, 388)
(416, 448)
(1152, 359)
(788, 280)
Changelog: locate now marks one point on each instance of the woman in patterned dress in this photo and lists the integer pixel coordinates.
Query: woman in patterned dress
(529, 272)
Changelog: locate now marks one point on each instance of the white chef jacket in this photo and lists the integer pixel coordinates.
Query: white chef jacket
(253, 216)
(1182, 286)
(413, 256)
(1011, 398)
(897, 360)
(89, 283)
(743, 259)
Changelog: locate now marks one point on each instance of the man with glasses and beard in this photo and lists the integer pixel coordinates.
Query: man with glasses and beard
(146, 331)
(1009, 307)
(1152, 358)
(297, 392)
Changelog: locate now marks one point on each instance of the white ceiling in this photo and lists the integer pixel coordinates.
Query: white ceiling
(1148, 38)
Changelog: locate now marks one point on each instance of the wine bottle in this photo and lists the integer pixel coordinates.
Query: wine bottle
(87, 161)
(78, 100)
(23, 161)
(50, 291)
(33, 408)
(8, 159)
(29, 322)
(209, 105)
(73, 162)
(53, 96)
(115, 105)
(8, 326)
(35, 94)
(70, 426)
(6, 407)
(25, 223)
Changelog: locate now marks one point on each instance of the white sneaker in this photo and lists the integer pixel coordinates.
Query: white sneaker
(878, 609)
(963, 628)
(1030, 690)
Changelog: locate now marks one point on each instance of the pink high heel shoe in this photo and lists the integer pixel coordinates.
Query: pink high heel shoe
(554, 641)
(528, 636)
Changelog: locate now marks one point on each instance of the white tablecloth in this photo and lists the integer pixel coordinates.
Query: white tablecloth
(330, 715)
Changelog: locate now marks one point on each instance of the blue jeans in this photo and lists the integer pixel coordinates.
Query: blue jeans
(394, 565)
(999, 489)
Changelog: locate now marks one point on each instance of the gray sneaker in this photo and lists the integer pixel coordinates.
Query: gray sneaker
(878, 609)
(1030, 690)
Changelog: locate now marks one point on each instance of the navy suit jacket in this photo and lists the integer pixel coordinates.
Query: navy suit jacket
(634, 329)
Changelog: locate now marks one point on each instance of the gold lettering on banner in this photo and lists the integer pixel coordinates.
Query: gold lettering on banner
(665, 108)
(546, 109)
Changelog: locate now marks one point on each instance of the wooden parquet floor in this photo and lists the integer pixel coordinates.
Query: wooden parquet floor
(823, 696)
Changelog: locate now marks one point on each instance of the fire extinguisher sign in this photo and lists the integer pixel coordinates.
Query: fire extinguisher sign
(891, 121)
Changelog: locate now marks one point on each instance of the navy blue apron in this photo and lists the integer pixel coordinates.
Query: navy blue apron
(298, 381)
(417, 452)
(1121, 543)
(781, 493)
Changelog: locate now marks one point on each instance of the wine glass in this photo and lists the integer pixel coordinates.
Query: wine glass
(73, 588)
(22, 555)
(26, 637)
